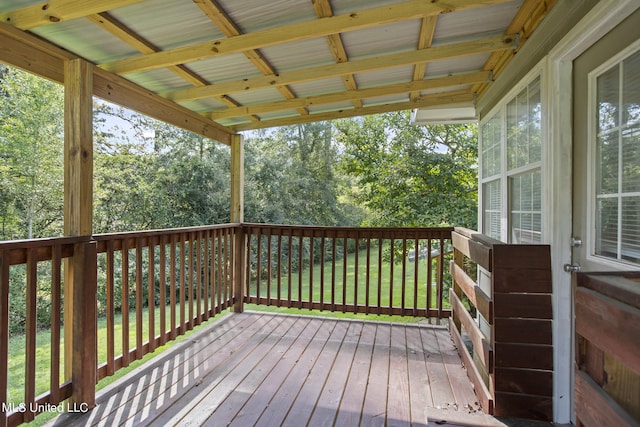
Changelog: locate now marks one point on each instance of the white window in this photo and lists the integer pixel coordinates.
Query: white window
(617, 160)
(511, 167)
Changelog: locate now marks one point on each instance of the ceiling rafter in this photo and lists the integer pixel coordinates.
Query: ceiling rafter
(427, 31)
(323, 10)
(358, 94)
(523, 24)
(453, 50)
(55, 11)
(222, 20)
(115, 27)
(454, 97)
(367, 18)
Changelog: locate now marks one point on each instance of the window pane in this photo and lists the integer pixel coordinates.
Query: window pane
(607, 165)
(631, 157)
(491, 202)
(630, 232)
(608, 87)
(491, 139)
(524, 127)
(631, 89)
(607, 227)
(525, 194)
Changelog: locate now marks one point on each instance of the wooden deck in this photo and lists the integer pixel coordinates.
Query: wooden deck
(269, 369)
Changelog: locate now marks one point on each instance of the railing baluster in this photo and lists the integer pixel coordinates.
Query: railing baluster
(429, 277)
(191, 269)
(311, 244)
(139, 298)
(440, 277)
(300, 269)
(183, 283)
(205, 274)
(344, 274)
(259, 265)
(111, 311)
(227, 256)
(269, 254)
(367, 286)
(279, 301)
(163, 291)
(31, 328)
(172, 285)
(404, 276)
(356, 273)
(334, 239)
(391, 261)
(56, 296)
(198, 273)
(125, 302)
(379, 296)
(416, 269)
(322, 249)
(151, 298)
(290, 265)
(221, 303)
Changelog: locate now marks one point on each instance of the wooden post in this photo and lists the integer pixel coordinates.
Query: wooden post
(237, 216)
(84, 365)
(80, 275)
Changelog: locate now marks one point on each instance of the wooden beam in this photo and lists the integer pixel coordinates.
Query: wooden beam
(54, 11)
(363, 65)
(427, 31)
(323, 10)
(32, 54)
(440, 82)
(412, 9)
(426, 101)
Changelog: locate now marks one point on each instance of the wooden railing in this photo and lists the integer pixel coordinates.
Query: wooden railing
(510, 359)
(133, 292)
(391, 271)
(184, 276)
(607, 324)
(31, 262)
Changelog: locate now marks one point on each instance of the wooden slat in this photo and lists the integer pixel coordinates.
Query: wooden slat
(609, 324)
(486, 400)
(524, 406)
(477, 296)
(4, 334)
(481, 346)
(594, 407)
(139, 303)
(163, 291)
(522, 280)
(524, 331)
(151, 295)
(172, 286)
(534, 306)
(30, 329)
(524, 381)
(478, 252)
(531, 356)
(125, 304)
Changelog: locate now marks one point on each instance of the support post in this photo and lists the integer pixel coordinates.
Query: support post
(80, 270)
(237, 216)
(84, 366)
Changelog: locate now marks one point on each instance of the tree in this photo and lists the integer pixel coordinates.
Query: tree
(31, 147)
(411, 175)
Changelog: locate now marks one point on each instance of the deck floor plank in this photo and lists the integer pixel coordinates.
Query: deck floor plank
(259, 369)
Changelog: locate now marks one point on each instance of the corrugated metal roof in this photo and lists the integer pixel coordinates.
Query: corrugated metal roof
(234, 53)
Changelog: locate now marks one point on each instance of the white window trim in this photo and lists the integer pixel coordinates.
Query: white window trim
(539, 70)
(591, 161)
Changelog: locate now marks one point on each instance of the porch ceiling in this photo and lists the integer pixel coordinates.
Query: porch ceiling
(248, 64)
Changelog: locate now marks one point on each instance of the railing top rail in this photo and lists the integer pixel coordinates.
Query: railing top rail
(477, 236)
(161, 232)
(355, 232)
(9, 245)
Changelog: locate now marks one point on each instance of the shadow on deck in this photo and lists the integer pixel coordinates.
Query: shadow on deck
(270, 369)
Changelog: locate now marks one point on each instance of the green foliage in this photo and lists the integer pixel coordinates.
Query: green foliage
(411, 175)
